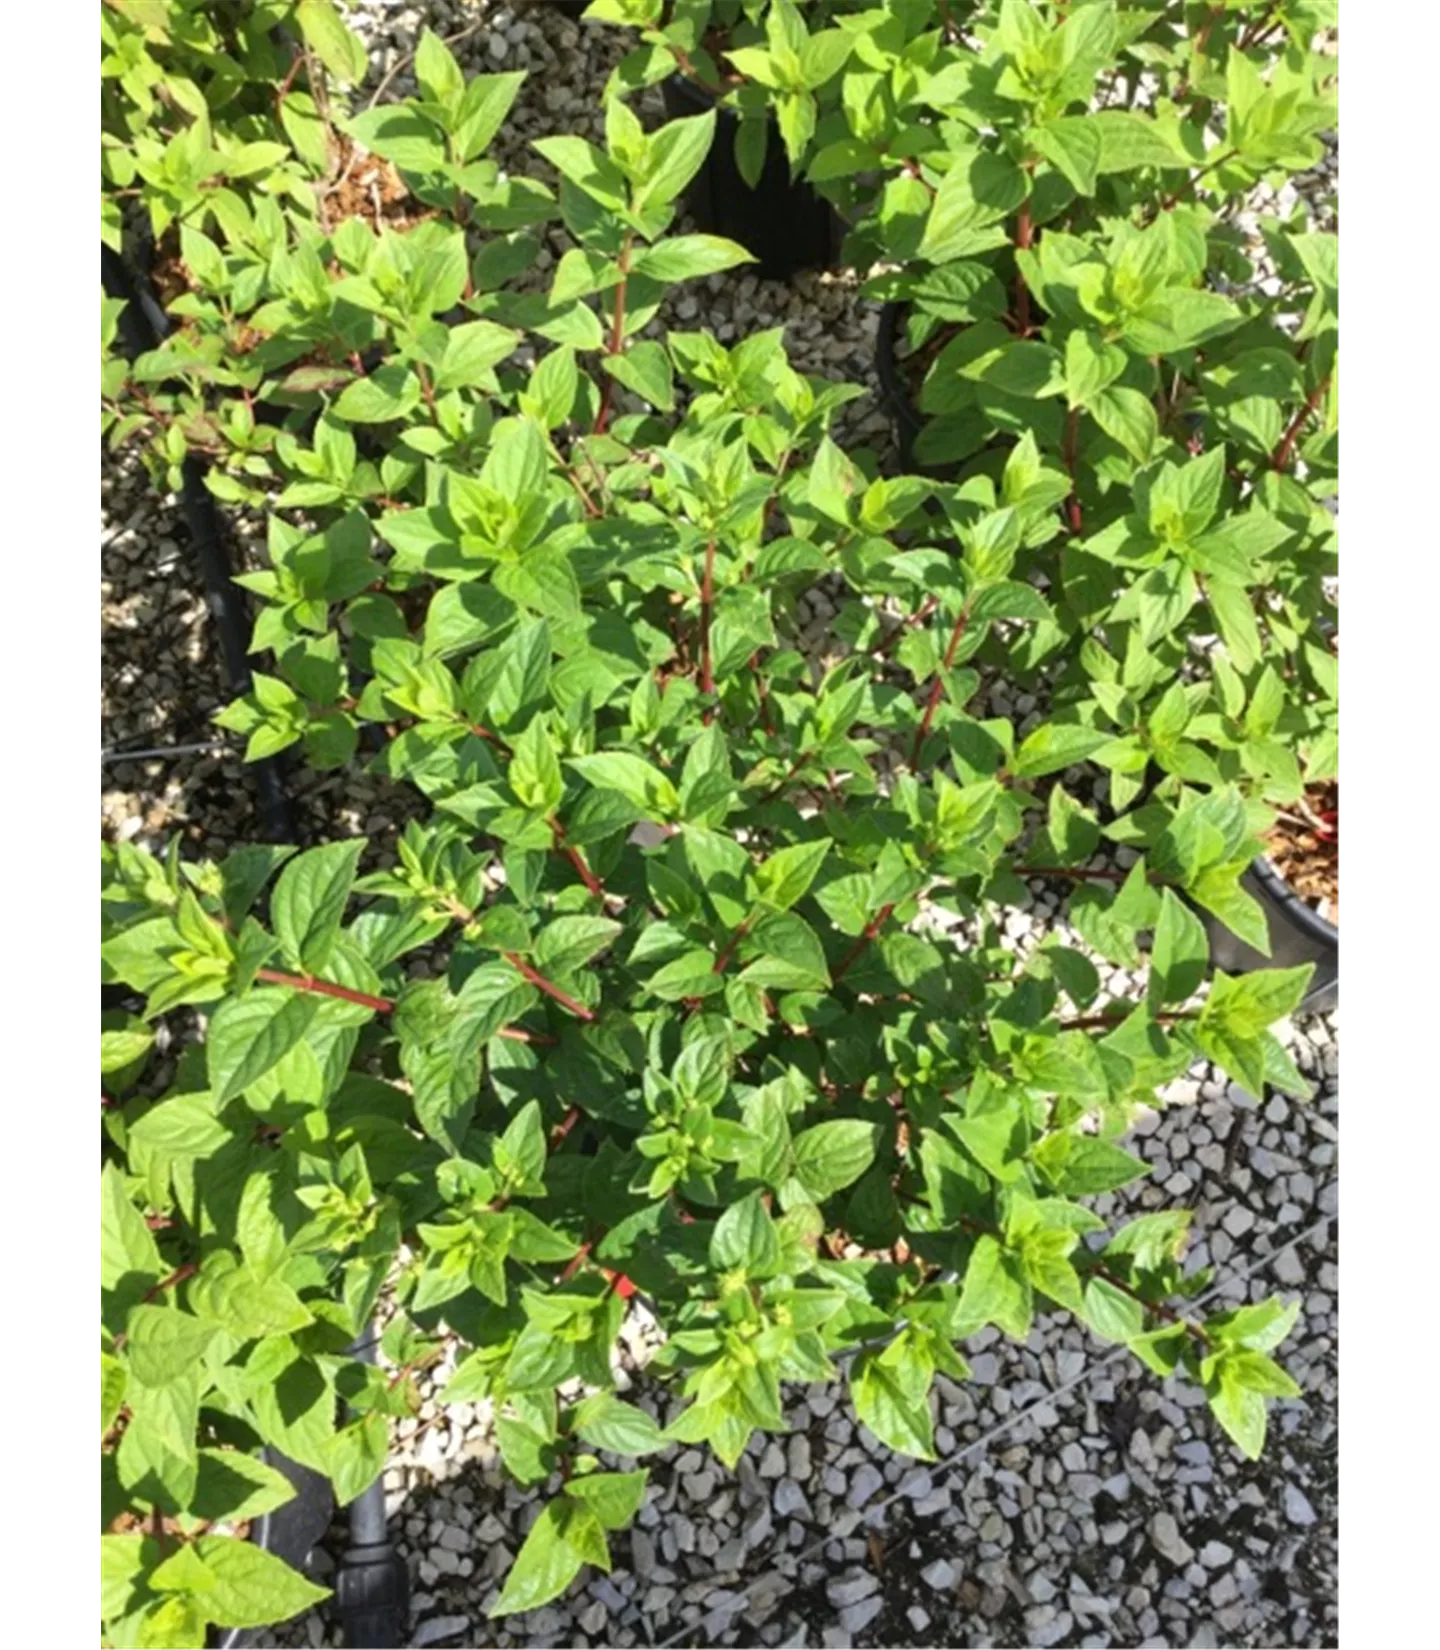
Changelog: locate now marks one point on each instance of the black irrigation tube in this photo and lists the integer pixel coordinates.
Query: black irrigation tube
(144, 325)
(372, 1583)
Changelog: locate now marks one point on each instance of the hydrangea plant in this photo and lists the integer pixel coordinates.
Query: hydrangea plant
(690, 978)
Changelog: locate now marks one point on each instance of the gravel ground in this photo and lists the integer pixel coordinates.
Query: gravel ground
(1078, 1500)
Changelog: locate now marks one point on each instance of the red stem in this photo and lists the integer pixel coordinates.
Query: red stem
(617, 335)
(1189, 184)
(1072, 435)
(728, 950)
(324, 988)
(937, 687)
(539, 981)
(795, 767)
(381, 1005)
(872, 928)
(564, 1126)
(707, 597)
(1024, 232)
(577, 859)
(493, 738)
(1280, 459)
(1115, 1017)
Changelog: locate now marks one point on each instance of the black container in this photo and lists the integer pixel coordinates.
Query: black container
(784, 223)
(1298, 934)
(290, 1532)
(906, 419)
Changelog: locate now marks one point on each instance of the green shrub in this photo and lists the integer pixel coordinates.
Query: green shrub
(691, 976)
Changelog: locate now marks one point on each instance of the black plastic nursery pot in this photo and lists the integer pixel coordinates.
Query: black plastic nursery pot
(898, 395)
(781, 220)
(906, 419)
(290, 1532)
(1298, 935)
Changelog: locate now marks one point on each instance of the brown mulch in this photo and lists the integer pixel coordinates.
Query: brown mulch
(1304, 847)
(365, 186)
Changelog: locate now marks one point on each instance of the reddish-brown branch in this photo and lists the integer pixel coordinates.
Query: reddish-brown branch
(427, 389)
(795, 767)
(564, 1126)
(707, 598)
(381, 1005)
(1188, 186)
(282, 91)
(325, 988)
(1280, 458)
(937, 687)
(491, 738)
(1117, 1016)
(189, 1269)
(577, 859)
(617, 334)
(576, 1261)
(1072, 439)
(540, 983)
(722, 962)
(1257, 31)
(1024, 236)
(872, 928)
(889, 644)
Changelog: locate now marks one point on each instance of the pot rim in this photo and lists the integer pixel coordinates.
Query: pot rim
(1299, 911)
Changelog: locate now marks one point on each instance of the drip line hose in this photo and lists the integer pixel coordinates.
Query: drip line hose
(143, 326)
(372, 1583)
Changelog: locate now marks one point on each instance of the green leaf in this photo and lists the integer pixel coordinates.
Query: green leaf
(614, 1497)
(673, 156)
(1073, 146)
(338, 48)
(249, 1035)
(1091, 365)
(890, 1408)
(568, 943)
(784, 879)
(164, 1343)
(183, 1126)
(544, 1567)
(634, 778)
(1082, 1165)
(307, 906)
(356, 1456)
(534, 772)
(702, 1073)
(521, 1150)
(1181, 952)
(645, 368)
(440, 76)
(386, 395)
(587, 167)
(744, 1238)
(688, 257)
(233, 1485)
(996, 1290)
(830, 1156)
(1127, 416)
(128, 1253)
(606, 1422)
(1245, 1005)
(1055, 745)
(251, 1587)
